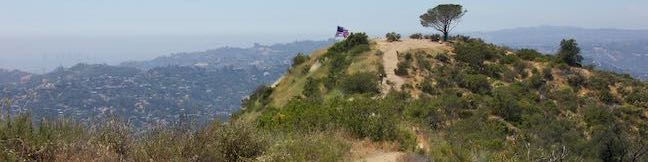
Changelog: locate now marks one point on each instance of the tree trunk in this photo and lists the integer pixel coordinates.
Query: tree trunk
(445, 36)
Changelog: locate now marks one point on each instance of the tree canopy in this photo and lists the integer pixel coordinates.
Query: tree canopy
(443, 18)
(570, 52)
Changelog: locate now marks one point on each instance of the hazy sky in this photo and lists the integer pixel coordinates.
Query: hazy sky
(214, 17)
(142, 29)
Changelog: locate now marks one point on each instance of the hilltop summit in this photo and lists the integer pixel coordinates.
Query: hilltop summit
(455, 101)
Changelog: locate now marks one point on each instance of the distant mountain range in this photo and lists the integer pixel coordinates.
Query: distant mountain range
(624, 51)
(203, 85)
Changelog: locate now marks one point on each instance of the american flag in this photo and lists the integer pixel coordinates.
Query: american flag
(341, 32)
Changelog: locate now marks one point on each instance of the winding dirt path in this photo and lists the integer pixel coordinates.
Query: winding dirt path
(390, 58)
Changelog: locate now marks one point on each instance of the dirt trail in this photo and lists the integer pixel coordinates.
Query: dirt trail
(383, 157)
(390, 58)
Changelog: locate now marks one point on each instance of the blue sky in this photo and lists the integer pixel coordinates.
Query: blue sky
(39, 35)
(232, 17)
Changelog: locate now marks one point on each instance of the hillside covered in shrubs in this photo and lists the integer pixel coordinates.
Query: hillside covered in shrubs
(475, 102)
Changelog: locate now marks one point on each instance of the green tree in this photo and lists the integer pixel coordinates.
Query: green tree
(443, 18)
(570, 53)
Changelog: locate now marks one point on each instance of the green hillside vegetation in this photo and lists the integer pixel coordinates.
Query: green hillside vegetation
(477, 102)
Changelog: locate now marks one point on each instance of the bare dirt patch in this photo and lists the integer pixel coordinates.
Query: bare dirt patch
(390, 58)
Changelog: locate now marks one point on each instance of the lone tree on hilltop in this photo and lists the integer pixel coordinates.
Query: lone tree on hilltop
(443, 18)
(570, 52)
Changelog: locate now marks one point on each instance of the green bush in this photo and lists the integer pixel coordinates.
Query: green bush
(505, 103)
(475, 83)
(259, 98)
(239, 142)
(493, 70)
(308, 148)
(354, 39)
(471, 53)
(520, 68)
(402, 68)
(566, 99)
(424, 113)
(299, 59)
(416, 36)
(606, 97)
(366, 118)
(476, 133)
(312, 89)
(510, 59)
(528, 54)
(427, 87)
(391, 37)
(575, 80)
(638, 97)
(508, 75)
(363, 82)
(535, 82)
(422, 62)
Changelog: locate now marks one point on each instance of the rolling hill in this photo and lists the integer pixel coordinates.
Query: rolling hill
(462, 101)
(372, 100)
(200, 86)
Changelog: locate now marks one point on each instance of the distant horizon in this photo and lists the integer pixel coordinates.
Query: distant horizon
(113, 50)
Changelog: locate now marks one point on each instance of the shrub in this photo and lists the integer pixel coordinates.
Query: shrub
(506, 105)
(238, 142)
(427, 87)
(422, 62)
(535, 82)
(443, 57)
(606, 97)
(475, 83)
(359, 49)
(299, 59)
(365, 118)
(363, 82)
(433, 37)
(351, 41)
(566, 99)
(528, 54)
(392, 36)
(402, 68)
(423, 112)
(575, 80)
(312, 89)
(475, 52)
(546, 73)
(510, 59)
(416, 36)
(260, 96)
(493, 70)
(308, 148)
(520, 68)
(638, 97)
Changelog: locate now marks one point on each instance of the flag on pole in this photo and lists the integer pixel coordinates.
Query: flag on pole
(341, 32)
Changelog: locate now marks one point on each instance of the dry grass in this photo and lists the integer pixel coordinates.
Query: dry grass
(292, 83)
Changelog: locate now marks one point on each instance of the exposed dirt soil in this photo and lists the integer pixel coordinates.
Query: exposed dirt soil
(390, 58)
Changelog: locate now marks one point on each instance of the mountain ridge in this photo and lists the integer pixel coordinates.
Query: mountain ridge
(618, 50)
